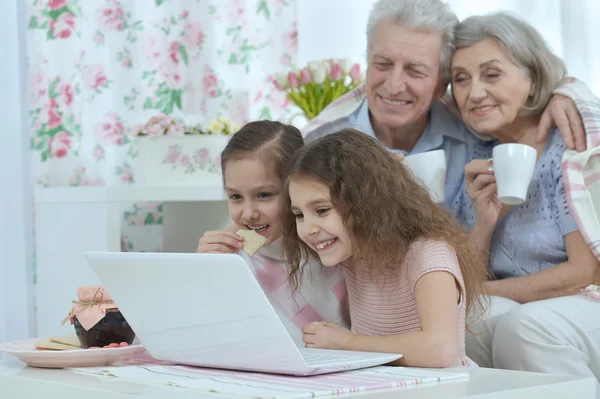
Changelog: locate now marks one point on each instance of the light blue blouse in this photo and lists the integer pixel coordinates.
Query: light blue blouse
(530, 237)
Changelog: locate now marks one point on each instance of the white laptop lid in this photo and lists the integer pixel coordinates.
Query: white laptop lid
(202, 309)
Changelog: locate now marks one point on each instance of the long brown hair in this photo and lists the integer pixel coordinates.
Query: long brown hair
(271, 141)
(383, 208)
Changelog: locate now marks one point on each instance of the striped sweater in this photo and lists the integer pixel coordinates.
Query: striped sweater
(321, 297)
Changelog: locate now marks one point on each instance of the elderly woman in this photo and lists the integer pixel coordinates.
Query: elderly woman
(503, 74)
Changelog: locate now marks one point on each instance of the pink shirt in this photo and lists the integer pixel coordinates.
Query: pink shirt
(391, 308)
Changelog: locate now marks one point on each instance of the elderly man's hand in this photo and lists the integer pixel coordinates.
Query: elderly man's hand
(562, 113)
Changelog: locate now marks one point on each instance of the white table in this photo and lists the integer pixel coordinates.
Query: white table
(72, 220)
(19, 381)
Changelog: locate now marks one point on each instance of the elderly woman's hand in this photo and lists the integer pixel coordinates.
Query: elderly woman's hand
(482, 189)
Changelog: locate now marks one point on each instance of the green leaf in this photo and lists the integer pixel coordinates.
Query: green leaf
(41, 145)
(168, 108)
(148, 103)
(147, 74)
(263, 7)
(49, 35)
(159, 220)
(33, 24)
(45, 155)
(232, 30)
(54, 14)
(54, 131)
(212, 9)
(159, 2)
(149, 219)
(162, 103)
(184, 55)
(130, 245)
(265, 113)
(52, 88)
(162, 89)
(176, 98)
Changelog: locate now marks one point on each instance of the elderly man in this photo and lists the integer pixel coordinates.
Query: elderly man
(409, 48)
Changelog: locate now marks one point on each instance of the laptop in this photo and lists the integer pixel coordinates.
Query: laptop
(208, 310)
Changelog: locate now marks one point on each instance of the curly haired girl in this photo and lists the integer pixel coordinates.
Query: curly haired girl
(412, 274)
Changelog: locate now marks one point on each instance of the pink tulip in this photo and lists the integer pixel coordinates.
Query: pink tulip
(355, 73)
(336, 72)
(305, 75)
(293, 80)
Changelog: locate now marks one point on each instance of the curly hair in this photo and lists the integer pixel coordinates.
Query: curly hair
(383, 207)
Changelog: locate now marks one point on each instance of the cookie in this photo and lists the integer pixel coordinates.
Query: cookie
(252, 241)
(44, 343)
(68, 339)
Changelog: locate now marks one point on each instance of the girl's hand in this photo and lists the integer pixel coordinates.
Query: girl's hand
(483, 191)
(327, 335)
(220, 241)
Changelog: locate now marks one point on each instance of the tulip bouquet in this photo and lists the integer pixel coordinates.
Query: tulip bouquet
(319, 83)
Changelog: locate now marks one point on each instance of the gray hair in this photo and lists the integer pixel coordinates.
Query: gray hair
(524, 46)
(423, 15)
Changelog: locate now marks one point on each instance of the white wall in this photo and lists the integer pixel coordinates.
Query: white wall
(332, 29)
(16, 259)
(336, 28)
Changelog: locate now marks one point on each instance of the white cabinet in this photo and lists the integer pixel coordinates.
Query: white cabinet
(72, 220)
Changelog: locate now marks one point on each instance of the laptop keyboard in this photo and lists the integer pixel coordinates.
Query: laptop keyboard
(312, 358)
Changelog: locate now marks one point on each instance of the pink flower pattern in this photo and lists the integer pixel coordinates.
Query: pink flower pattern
(63, 27)
(100, 69)
(111, 130)
(111, 17)
(60, 144)
(94, 76)
(56, 4)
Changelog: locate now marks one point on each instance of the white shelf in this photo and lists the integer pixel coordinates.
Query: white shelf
(107, 194)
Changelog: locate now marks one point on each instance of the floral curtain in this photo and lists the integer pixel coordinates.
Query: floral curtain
(100, 68)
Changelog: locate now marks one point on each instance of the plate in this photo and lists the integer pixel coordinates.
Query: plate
(25, 350)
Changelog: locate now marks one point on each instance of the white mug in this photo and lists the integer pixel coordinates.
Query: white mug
(429, 168)
(513, 167)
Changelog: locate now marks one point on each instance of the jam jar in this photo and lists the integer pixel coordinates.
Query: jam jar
(97, 319)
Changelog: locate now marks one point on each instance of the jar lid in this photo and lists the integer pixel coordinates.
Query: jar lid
(89, 292)
(91, 306)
